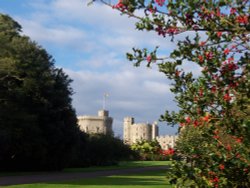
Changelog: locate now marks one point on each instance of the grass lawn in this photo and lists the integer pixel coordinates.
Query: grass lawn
(148, 179)
(121, 165)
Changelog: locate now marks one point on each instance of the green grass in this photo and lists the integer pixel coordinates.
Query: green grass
(121, 165)
(147, 179)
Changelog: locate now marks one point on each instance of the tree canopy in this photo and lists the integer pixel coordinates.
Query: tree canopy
(37, 121)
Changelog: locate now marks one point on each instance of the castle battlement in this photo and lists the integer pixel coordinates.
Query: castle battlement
(133, 132)
(101, 124)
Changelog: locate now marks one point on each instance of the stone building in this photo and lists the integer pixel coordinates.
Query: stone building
(167, 141)
(134, 132)
(100, 124)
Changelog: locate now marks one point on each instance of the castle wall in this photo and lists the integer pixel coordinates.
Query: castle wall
(133, 132)
(155, 130)
(140, 132)
(128, 121)
(101, 124)
(167, 141)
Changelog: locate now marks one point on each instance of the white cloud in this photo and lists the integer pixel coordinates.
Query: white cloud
(97, 14)
(61, 35)
(103, 59)
(156, 87)
(101, 24)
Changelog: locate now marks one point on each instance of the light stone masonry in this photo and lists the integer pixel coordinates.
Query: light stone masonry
(167, 141)
(133, 132)
(101, 124)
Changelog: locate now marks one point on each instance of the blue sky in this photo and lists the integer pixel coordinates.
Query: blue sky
(89, 43)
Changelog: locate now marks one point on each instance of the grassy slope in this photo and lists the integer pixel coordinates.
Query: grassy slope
(148, 179)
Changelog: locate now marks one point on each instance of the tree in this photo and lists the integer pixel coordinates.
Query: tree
(106, 150)
(218, 42)
(101, 150)
(147, 150)
(38, 126)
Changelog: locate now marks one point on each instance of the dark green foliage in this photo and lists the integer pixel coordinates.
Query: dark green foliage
(149, 150)
(37, 122)
(103, 150)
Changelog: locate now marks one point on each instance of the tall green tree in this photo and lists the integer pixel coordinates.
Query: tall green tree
(38, 126)
(218, 36)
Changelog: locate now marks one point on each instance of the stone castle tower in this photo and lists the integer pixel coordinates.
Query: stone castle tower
(140, 131)
(101, 124)
(133, 132)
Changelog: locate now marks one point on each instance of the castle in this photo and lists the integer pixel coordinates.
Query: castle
(100, 124)
(167, 141)
(133, 132)
(140, 131)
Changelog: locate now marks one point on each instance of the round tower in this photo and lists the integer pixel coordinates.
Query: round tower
(103, 113)
(155, 130)
(128, 122)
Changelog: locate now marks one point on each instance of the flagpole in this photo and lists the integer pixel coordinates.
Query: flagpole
(104, 100)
